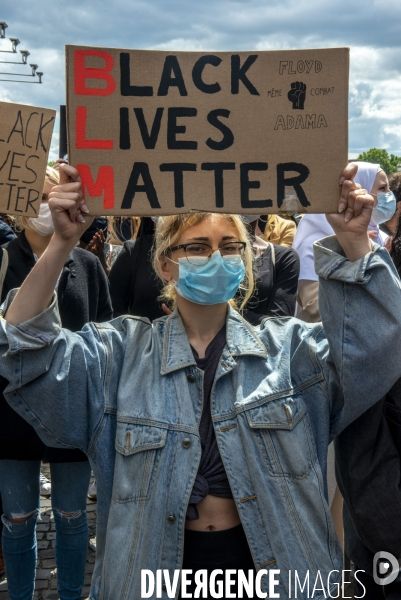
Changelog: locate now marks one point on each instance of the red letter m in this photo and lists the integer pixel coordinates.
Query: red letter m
(104, 183)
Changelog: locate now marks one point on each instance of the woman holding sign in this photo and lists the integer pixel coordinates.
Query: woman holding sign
(208, 437)
(82, 296)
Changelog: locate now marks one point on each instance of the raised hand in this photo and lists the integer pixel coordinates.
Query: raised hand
(355, 208)
(67, 205)
(96, 246)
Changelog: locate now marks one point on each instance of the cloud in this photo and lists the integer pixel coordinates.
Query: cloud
(371, 29)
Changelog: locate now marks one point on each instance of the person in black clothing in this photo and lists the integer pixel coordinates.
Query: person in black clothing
(368, 472)
(276, 278)
(83, 296)
(134, 288)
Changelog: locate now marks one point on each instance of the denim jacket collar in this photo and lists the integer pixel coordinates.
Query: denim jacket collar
(177, 353)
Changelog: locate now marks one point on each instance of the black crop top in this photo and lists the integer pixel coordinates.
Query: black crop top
(211, 477)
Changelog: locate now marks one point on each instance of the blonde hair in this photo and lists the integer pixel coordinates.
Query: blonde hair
(168, 232)
(113, 230)
(52, 176)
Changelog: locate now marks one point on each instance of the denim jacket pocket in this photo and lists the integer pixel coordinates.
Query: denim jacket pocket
(138, 454)
(284, 436)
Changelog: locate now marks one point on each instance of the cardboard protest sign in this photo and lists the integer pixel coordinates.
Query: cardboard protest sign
(155, 133)
(25, 136)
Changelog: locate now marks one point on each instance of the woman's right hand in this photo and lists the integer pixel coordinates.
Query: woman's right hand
(67, 205)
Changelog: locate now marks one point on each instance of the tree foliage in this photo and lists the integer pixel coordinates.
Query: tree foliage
(388, 162)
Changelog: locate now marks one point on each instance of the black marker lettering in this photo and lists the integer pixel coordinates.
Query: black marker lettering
(149, 139)
(295, 182)
(197, 72)
(218, 169)
(5, 162)
(283, 66)
(228, 137)
(41, 128)
(309, 65)
(14, 166)
(15, 130)
(238, 74)
(31, 170)
(140, 169)
(178, 170)
(11, 186)
(310, 121)
(247, 185)
(299, 123)
(30, 201)
(171, 66)
(18, 198)
(27, 128)
(173, 129)
(125, 76)
(125, 140)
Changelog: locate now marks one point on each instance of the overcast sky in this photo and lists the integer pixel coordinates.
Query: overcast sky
(372, 29)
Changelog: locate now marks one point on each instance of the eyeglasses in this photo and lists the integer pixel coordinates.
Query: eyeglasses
(200, 254)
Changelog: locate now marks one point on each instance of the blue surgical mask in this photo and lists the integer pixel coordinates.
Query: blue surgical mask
(212, 283)
(385, 207)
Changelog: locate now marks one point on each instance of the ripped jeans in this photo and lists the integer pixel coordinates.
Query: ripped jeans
(19, 489)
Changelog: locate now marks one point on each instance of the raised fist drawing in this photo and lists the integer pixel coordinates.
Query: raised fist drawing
(297, 94)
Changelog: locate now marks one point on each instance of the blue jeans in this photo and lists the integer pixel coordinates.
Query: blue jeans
(19, 489)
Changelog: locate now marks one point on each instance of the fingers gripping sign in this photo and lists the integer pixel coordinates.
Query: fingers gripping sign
(355, 208)
(67, 205)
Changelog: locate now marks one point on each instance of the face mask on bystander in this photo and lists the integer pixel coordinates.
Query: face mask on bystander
(385, 207)
(43, 224)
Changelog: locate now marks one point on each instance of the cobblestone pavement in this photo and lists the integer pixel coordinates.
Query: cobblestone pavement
(46, 572)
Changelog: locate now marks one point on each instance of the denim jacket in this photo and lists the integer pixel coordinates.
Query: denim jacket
(129, 394)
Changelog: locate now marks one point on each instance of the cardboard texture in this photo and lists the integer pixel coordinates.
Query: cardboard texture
(25, 136)
(156, 133)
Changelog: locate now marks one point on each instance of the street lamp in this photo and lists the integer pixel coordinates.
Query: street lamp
(24, 60)
(14, 42)
(25, 55)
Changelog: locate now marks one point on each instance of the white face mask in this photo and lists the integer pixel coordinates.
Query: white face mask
(43, 224)
(385, 207)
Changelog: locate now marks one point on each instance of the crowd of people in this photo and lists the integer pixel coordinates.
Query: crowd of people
(202, 365)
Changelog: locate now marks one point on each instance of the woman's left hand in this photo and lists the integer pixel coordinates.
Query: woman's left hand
(355, 208)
